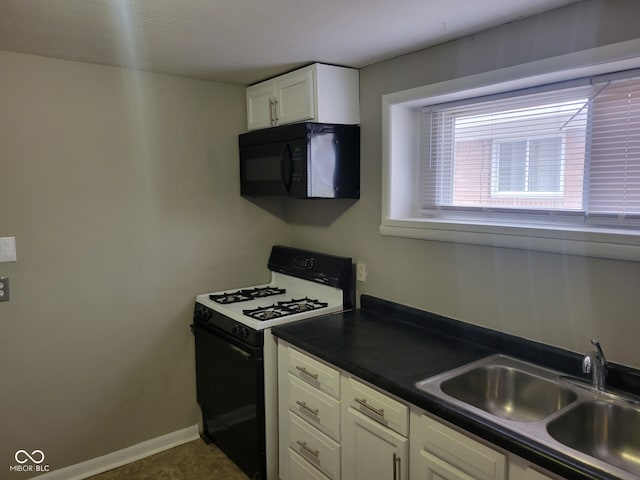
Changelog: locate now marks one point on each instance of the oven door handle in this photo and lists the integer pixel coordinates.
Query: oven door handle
(246, 355)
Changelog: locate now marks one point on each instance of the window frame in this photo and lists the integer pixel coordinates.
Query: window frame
(401, 126)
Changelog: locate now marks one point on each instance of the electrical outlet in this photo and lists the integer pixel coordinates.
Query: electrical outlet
(361, 271)
(4, 289)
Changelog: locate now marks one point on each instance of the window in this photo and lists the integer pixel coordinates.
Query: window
(566, 150)
(546, 162)
(524, 152)
(528, 166)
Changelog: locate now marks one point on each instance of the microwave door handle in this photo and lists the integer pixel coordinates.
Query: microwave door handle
(286, 167)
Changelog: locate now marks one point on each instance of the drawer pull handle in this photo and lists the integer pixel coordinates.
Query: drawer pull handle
(307, 372)
(312, 411)
(377, 411)
(306, 448)
(396, 467)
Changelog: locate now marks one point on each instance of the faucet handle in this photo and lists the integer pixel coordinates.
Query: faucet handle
(586, 364)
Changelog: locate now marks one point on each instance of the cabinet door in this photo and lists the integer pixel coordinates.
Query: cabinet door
(430, 467)
(469, 458)
(259, 105)
(371, 451)
(520, 469)
(295, 99)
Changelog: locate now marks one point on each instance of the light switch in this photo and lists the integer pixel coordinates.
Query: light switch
(8, 249)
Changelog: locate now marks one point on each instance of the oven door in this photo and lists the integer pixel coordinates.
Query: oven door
(230, 391)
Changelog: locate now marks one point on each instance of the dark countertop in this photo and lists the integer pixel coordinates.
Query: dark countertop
(393, 347)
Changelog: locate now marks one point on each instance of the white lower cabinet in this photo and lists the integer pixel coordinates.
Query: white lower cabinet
(374, 434)
(520, 469)
(440, 452)
(301, 469)
(333, 426)
(309, 417)
(372, 451)
(314, 446)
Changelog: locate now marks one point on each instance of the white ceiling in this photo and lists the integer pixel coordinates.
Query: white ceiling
(244, 41)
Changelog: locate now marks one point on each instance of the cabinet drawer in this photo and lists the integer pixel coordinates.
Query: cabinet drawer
(316, 407)
(314, 446)
(377, 406)
(300, 469)
(314, 373)
(461, 451)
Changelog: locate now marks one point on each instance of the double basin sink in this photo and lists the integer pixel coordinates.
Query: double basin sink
(598, 428)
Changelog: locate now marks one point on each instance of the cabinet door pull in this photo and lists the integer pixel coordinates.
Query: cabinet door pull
(271, 112)
(307, 372)
(377, 411)
(306, 448)
(397, 472)
(275, 111)
(312, 411)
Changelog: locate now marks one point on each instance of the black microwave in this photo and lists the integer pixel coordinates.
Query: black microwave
(301, 160)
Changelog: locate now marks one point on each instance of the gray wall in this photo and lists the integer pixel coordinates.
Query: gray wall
(557, 299)
(122, 191)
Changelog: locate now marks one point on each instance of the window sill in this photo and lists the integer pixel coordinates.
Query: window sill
(583, 241)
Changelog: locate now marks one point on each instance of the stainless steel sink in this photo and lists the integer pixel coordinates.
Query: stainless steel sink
(502, 387)
(509, 392)
(598, 428)
(604, 430)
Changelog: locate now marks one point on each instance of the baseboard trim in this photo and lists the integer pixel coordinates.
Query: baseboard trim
(118, 458)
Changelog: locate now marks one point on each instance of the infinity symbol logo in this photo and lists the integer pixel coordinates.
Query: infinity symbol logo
(31, 456)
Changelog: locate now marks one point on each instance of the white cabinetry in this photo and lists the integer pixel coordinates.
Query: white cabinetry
(317, 93)
(309, 417)
(440, 452)
(375, 429)
(333, 426)
(520, 469)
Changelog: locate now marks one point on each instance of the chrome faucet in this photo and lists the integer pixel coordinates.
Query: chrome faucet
(595, 363)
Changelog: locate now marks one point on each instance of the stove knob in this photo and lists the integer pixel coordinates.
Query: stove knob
(203, 312)
(240, 332)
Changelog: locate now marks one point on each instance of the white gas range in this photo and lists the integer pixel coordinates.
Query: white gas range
(285, 299)
(236, 356)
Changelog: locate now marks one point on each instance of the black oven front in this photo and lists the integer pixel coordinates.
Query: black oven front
(230, 389)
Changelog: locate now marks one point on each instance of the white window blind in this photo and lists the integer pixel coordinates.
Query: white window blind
(614, 160)
(569, 152)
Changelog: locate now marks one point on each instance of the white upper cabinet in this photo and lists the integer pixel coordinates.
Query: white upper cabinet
(316, 93)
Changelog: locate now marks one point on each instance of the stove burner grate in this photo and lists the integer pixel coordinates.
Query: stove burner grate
(282, 309)
(246, 294)
(260, 292)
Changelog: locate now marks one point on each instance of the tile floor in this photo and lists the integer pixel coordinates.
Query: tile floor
(192, 461)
